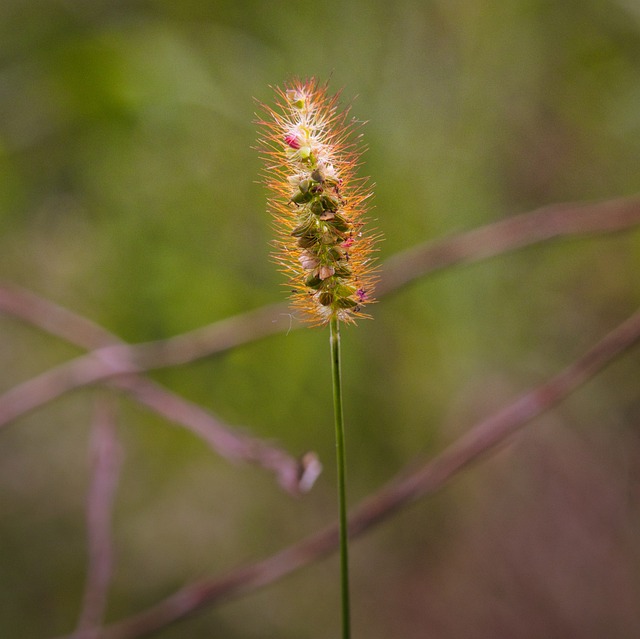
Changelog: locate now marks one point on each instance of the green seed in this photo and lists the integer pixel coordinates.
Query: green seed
(330, 203)
(301, 198)
(345, 302)
(339, 223)
(304, 185)
(307, 241)
(343, 270)
(313, 281)
(326, 298)
(343, 291)
(316, 207)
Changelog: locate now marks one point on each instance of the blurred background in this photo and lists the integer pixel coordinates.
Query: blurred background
(130, 194)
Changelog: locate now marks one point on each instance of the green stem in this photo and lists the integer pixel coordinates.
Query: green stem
(342, 482)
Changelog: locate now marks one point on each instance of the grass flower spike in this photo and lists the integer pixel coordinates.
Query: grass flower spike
(318, 203)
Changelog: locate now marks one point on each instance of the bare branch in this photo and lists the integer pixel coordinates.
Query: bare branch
(106, 460)
(556, 221)
(233, 445)
(404, 489)
(91, 368)
(216, 338)
(53, 318)
(53, 383)
(125, 358)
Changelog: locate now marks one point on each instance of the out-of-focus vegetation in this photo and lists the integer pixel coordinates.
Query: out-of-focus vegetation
(129, 194)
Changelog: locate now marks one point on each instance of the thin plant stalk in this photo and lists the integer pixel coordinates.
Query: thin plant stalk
(342, 480)
(318, 204)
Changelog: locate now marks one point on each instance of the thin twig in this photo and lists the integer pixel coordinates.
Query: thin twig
(518, 231)
(396, 494)
(106, 457)
(53, 318)
(81, 332)
(232, 445)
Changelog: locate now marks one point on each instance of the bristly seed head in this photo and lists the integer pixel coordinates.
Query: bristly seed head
(317, 202)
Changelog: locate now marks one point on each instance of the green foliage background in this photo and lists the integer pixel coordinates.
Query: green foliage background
(129, 193)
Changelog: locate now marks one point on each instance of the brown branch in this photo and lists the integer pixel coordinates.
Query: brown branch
(53, 319)
(106, 457)
(518, 231)
(398, 493)
(91, 368)
(293, 475)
